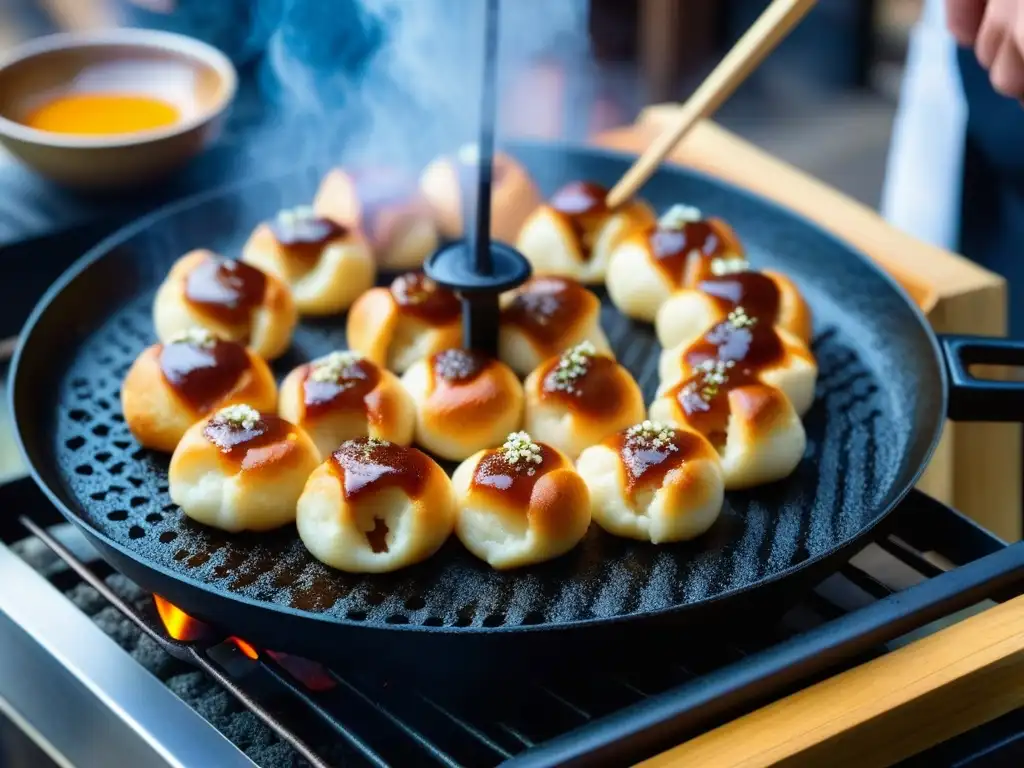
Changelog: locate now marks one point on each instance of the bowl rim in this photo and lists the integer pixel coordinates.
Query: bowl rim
(171, 42)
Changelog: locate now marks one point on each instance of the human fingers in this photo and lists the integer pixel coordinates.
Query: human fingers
(964, 19)
(996, 26)
(1007, 72)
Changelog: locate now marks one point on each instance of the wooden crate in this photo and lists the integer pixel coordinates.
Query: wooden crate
(879, 713)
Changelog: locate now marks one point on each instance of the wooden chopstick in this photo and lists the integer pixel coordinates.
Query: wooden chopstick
(768, 31)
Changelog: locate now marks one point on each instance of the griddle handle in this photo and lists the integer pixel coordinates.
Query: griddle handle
(974, 399)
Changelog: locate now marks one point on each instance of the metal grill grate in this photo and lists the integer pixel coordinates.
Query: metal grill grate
(346, 719)
(125, 493)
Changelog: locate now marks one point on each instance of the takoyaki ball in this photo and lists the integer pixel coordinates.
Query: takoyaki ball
(344, 396)
(325, 264)
(464, 402)
(386, 205)
(235, 301)
(241, 470)
(412, 319)
(544, 317)
(652, 262)
(764, 353)
(753, 426)
(653, 482)
(574, 233)
(769, 296)
(580, 398)
(375, 506)
(513, 193)
(172, 386)
(520, 504)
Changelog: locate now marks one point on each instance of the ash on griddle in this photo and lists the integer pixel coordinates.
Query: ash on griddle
(143, 649)
(86, 598)
(39, 556)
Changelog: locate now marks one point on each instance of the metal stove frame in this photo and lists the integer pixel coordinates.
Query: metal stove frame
(96, 694)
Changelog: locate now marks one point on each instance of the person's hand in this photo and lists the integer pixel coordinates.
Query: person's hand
(995, 29)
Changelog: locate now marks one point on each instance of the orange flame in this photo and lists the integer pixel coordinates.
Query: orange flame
(245, 647)
(179, 624)
(183, 627)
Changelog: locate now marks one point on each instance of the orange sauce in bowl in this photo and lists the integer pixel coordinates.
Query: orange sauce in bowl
(102, 114)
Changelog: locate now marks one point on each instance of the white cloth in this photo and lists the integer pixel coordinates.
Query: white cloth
(923, 177)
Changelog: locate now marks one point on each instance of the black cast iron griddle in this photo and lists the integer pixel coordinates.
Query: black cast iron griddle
(880, 403)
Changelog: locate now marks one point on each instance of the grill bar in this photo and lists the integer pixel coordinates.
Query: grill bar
(472, 730)
(865, 581)
(659, 722)
(428, 746)
(96, 583)
(65, 679)
(565, 703)
(516, 734)
(934, 528)
(564, 720)
(826, 609)
(903, 551)
(174, 648)
(351, 738)
(197, 658)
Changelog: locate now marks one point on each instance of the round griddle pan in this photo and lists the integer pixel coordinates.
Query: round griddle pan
(881, 400)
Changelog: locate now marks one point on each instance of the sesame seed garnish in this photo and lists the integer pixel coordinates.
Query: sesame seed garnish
(710, 376)
(541, 307)
(678, 216)
(417, 288)
(300, 223)
(458, 364)
(195, 337)
(739, 318)
(521, 453)
(297, 214)
(239, 416)
(335, 367)
(651, 434)
(729, 265)
(363, 446)
(572, 366)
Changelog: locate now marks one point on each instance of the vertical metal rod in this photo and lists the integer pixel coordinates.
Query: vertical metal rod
(488, 117)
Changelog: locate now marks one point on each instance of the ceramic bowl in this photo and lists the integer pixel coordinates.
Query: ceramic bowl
(196, 78)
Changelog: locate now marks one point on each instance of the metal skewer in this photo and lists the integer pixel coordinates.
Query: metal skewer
(485, 153)
(479, 269)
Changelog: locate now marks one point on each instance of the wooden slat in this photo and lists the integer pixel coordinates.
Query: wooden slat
(884, 711)
(977, 466)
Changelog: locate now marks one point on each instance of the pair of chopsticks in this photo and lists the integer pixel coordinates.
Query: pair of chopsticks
(761, 39)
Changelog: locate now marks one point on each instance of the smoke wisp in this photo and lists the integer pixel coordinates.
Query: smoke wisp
(398, 81)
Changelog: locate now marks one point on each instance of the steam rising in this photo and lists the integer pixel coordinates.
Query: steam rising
(407, 86)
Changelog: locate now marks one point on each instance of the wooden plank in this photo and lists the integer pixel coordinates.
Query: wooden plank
(977, 466)
(881, 712)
